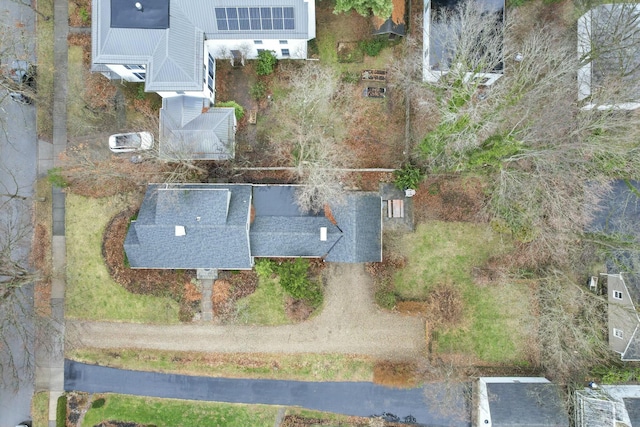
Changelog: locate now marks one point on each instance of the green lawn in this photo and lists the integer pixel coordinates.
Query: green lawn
(265, 306)
(91, 293)
(178, 413)
(40, 409)
(493, 315)
(303, 367)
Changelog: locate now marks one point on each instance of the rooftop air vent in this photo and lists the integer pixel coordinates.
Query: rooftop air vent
(323, 234)
(180, 231)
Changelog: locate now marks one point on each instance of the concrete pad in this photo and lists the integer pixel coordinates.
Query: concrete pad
(57, 197)
(53, 405)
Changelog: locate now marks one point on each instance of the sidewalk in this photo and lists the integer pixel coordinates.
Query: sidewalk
(50, 355)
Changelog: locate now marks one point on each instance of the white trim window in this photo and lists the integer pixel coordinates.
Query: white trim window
(618, 333)
(617, 295)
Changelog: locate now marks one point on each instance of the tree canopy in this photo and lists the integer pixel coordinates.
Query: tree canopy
(380, 8)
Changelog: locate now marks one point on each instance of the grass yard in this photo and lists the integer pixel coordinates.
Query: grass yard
(178, 413)
(44, 51)
(91, 293)
(303, 367)
(40, 409)
(77, 114)
(265, 306)
(445, 253)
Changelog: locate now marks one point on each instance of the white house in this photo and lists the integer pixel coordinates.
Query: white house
(172, 45)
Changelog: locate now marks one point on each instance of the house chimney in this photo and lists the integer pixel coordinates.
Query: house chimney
(323, 234)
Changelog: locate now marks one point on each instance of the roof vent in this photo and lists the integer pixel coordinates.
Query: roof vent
(180, 231)
(139, 6)
(323, 234)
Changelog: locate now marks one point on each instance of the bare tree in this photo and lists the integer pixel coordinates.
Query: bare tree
(609, 52)
(528, 133)
(571, 327)
(16, 308)
(309, 132)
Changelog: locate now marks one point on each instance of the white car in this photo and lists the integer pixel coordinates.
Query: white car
(128, 142)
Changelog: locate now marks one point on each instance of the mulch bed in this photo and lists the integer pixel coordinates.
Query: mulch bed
(450, 198)
(299, 421)
(172, 283)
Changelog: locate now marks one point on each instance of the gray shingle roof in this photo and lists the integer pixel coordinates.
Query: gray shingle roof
(215, 218)
(360, 218)
(633, 410)
(188, 133)
(280, 229)
(218, 235)
(526, 405)
(174, 56)
(390, 27)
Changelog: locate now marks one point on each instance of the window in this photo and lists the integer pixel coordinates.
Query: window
(141, 76)
(257, 42)
(134, 67)
(617, 295)
(617, 333)
(260, 50)
(210, 83)
(285, 53)
(284, 42)
(254, 18)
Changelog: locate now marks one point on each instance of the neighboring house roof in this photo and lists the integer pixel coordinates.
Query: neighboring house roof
(168, 35)
(609, 47)
(438, 51)
(520, 402)
(395, 24)
(227, 225)
(188, 130)
(619, 214)
(608, 405)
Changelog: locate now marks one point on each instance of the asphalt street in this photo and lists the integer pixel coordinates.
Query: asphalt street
(433, 405)
(18, 157)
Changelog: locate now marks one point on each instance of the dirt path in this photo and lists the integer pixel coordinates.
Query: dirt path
(350, 323)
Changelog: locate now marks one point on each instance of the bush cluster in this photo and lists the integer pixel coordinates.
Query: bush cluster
(266, 63)
(374, 46)
(294, 279)
(239, 110)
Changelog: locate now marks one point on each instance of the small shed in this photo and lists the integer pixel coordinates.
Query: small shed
(395, 25)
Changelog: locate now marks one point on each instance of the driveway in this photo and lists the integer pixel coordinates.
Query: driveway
(350, 323)
(351, 398)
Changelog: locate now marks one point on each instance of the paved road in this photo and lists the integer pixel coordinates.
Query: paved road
(351, 398)
(18, 155)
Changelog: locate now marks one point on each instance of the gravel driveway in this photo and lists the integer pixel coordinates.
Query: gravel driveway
(350, 323)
